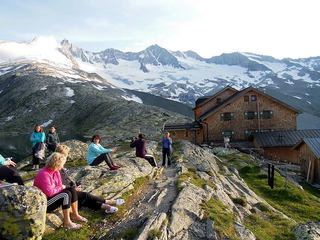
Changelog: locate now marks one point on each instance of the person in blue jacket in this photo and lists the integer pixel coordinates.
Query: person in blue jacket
(166, 149)
(37, 138)
(97, 154)
(8, 171)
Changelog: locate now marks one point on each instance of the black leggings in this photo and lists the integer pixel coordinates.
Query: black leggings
(64, 198)
(151, 160)
(166, 152)
(10, 174)
(102, 157)
(88, 200)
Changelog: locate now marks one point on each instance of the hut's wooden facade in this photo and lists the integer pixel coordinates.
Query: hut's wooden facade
(309, 157)
(237, 114)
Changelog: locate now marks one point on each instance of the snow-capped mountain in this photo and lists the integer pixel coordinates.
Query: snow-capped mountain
(180, 76)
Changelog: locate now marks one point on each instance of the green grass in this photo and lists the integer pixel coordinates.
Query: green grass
(92, 228)
(129, 234)
(29, 176)
(240, 200)
(193, 178)
(88, 230)
(297, 204)
(82, 162)
(271, 227)
(153, 234)
(223, 220)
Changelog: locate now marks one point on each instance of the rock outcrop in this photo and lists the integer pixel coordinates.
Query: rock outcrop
(22, 212)
(307, 231)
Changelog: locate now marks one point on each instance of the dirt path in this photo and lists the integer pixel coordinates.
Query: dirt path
(156, 197)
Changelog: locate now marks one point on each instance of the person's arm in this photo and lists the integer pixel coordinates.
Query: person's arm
(43, 137)
(2, 161)
(99, 149)
(170, 141)
(46, 186)
(33, 138)
(133, 143)
(49, 139)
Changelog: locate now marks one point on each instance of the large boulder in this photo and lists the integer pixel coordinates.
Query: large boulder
(78, 150)
(22, 212)
(307, 231)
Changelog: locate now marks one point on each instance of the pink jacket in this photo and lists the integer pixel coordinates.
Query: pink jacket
(48, 181)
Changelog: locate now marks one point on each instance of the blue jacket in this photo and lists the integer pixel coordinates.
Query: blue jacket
(166, 143)
(37, 137)
(94, 151)
(3, 161)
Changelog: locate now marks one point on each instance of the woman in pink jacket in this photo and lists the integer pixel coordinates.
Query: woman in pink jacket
(48, 180)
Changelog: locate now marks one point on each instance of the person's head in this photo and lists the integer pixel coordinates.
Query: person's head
(52, 129)
(141, 136)
(167, 134)
(56, 161)
(63, 149)
(96, 139)
(38, 128)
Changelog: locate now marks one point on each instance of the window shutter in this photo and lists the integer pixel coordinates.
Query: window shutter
(271, 114)
(247, 133)
(245, 115)
(222, 116)
(255, 115)
(232, 116)
(232, 134)
(261, 114)
(222, 133)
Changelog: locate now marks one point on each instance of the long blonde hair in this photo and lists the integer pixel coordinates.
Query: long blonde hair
(55, 161)
(63, 149)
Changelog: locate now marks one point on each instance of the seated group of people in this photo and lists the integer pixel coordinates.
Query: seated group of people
(55, 183)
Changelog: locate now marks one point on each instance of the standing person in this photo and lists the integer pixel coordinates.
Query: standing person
(166, 149)
(52, 139)
(140, 145)
(97, 154)
(86, 199)
(37, 138)
(9, 172)
(48, 180)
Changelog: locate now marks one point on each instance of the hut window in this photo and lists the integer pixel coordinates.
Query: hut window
(218, 100)
(250, 115)
(266, 114)
(253, 98)
(247, 133)
(229, 134)
(186, 133)
(246, 98)
(227, 116)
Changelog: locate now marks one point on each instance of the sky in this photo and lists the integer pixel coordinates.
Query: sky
(278, 28)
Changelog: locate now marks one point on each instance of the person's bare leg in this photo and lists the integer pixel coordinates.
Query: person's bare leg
(66, 217)
(75, 213)
(110, 202)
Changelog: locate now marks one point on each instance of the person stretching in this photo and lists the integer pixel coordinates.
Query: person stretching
(140, 145)
(48, 180)
(97, 154)
(9, 172)
(86, 199)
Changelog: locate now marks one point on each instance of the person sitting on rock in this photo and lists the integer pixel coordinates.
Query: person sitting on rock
(37, 138)
(9, 172)
(87, 200)
(140, 145)
(52, 139)
(97, 153)
(49, 181)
